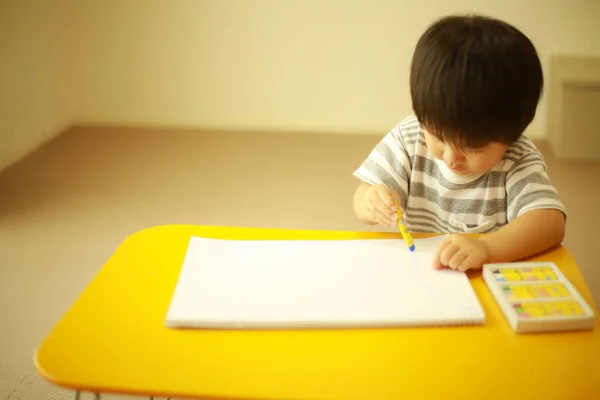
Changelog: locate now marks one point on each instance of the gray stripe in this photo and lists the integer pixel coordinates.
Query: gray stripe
(493, 179)
(430, 229)
(526, 199)
(517, 188)
(432, 216)
(386, 152)
(413, 141)
(524, 152)
(426, 165)
(519, 157)
(398, 136)
(528, 144)
(459, 206)
(409, 135)
(520, 167)
(385, 177)
(424, 210)
(509, 158)
(418, 219)
(521, 148)
(514, 151)
(411, 122)
(529, 157)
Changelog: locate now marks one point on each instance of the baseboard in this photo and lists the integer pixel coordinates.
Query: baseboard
(533, 134)
(31, 146)
(38, 142)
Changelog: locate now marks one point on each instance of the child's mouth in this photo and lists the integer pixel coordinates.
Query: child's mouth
(458, 169)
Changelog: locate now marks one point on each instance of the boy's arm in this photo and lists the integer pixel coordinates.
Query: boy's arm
(360, 204)
(535, 214)
(376, 204)
(385, 174)
(541, 223)
(531, 233)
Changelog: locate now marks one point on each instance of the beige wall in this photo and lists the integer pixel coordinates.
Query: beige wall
(282, 64)
(35, 91)
(573, 106)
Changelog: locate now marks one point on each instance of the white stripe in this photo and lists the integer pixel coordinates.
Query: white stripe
(410, 129)
(527, 168)
(410, 121)
(385, 165)
(542, 204)
(393, 145)
(505, 165)
(524, 174)
(474, 194)
(445, 216)
(365, 175)
(425, 228)
(536, 187)
(519, 151)
(529, 162)
(440, 226)
(532, 188)
(522, 147)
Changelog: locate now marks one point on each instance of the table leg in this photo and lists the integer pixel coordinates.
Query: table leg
(77, 394)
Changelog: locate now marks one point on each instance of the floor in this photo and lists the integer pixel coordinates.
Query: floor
(66, 207)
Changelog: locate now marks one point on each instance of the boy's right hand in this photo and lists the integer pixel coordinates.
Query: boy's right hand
(382, 204)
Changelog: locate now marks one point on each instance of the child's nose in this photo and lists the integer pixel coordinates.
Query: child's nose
(452, 156)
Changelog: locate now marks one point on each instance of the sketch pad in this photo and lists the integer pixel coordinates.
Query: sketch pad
(318, 284)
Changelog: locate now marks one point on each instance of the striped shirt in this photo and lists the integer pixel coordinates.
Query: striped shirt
(437, 200)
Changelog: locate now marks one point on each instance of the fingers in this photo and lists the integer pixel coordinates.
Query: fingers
(449, 254)
(381, 214)
(383, 205)
(459, 253)
(388, 197)
(457, 260)
(466, 263)
(437, 261)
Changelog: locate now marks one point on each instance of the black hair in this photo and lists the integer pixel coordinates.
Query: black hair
(475, 80)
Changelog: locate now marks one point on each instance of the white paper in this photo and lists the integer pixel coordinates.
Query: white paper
(319, 283)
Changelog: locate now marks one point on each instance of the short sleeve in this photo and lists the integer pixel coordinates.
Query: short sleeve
(529, 188)
(388, 164)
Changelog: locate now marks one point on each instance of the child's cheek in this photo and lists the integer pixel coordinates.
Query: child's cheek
(438, 151)
(478, 164)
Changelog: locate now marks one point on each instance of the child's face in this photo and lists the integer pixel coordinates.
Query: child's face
(466, 161)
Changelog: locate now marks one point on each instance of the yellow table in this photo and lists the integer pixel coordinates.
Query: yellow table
(113, 339)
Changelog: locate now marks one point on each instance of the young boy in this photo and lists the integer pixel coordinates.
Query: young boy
(460, 164)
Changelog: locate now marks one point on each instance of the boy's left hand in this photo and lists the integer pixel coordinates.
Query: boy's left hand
(461, 253)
